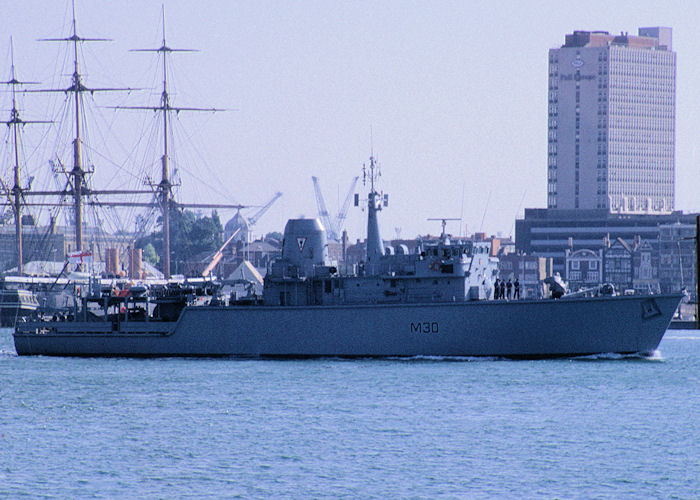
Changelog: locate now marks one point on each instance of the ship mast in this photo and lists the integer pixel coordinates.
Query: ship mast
(77, 187)
(15, 194)
(375, 246)
(164, 187)
(77, 174)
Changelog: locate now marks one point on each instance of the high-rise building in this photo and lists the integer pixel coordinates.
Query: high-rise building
(612, 122)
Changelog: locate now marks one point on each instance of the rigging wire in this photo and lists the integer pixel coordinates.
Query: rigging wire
(55, 142)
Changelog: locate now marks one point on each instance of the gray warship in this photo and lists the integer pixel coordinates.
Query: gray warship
(433, 302)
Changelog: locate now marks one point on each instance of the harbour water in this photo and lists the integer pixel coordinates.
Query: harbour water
(598, 427)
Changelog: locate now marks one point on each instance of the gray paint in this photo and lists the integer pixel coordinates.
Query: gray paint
(531, 329)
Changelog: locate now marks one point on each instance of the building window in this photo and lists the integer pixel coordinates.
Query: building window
(592, 277)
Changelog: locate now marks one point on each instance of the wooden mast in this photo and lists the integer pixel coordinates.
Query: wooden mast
(77, 187)
(15, 195)
(77, 174)
(164, 187)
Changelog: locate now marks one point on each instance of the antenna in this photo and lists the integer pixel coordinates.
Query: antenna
(461, 214)
(517, 212)
(481, 228)
(444, 223)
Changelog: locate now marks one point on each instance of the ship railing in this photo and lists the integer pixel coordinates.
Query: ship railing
(604, 289)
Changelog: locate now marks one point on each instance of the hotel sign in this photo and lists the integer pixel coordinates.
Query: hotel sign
(578, 62)
(575, 76)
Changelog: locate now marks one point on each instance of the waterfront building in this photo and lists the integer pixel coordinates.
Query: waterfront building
(583, 268)
(53, 243)
(611, 122)
(677, 257)
(645, 264)
(529, 270)
(661, 245)
(632, 266)
(260, 253)
(549, 232)
(617, 264)
(611, 165)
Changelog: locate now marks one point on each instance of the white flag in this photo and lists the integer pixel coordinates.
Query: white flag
(82, 257)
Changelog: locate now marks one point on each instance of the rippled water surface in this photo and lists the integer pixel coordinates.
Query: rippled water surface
(597, 427)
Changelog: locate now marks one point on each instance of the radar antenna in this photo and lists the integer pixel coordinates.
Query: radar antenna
(444, 223)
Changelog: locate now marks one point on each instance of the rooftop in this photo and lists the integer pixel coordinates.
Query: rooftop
(657, 38)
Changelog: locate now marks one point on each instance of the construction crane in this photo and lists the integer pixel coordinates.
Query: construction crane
(342, 215)
(323, 211)
(333, 226)
(216, 258)
(242, 224)
(254, 218)
(245, 224)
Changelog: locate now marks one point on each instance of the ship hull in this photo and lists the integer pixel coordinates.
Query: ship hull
(15, 305)
(517, 329)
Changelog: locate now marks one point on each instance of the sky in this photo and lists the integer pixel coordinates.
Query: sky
(450, 97)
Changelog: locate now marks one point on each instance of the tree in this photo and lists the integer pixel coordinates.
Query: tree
(150, 255)
(189, 235)
(274, 235)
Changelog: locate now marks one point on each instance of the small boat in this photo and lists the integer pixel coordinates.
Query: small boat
(16, 304)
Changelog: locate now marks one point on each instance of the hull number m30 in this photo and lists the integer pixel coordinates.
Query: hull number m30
(425, 327)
